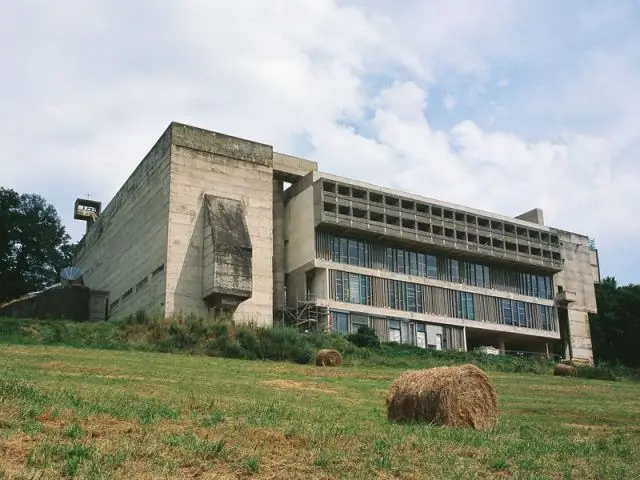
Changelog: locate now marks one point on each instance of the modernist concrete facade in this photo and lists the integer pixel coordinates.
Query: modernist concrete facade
(205, 224)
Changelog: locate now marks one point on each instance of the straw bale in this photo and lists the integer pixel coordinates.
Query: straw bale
(563, 370)
(458, 396)
(328, 358)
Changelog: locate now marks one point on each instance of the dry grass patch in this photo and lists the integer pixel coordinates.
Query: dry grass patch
(305, 386)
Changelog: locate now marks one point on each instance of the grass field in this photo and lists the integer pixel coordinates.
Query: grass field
(113, 414)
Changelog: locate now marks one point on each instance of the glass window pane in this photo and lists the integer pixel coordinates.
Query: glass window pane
(422, 265)
(400, 261)
(354, 288)
(343, 251)
(432, 266)
(455, 271)
(413, 263)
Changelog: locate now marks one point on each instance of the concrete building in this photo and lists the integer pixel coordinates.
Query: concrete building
(210, 223)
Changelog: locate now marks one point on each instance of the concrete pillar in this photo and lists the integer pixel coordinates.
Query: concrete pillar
(464, 338)
(501, 346)
(546, 348)
(278, 244)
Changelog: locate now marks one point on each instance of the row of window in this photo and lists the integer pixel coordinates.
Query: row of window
(410, 262)
(438, 337)
(412, 297)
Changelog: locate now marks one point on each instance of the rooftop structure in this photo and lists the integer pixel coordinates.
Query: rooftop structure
(206, 225)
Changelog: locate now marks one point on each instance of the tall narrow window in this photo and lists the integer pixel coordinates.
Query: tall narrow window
(392, 295)
(419, 298)
(344, 251)
(400, 261)
(506, 312)
(335, 254)
(522, 314)
(455, 271)
(364, 290)
(411, 297)
(479, 275)
(413, 263)
(422, 265)
(487, 277)
(339, 287)
(354, 288)
(390, 259)
(432, 266)
(354, 255)
(534, 285)
(470, 310)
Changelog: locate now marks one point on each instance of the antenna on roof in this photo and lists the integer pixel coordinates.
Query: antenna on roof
(71, 275)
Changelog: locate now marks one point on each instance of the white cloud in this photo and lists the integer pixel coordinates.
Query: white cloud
(92, 86)
(449, 101)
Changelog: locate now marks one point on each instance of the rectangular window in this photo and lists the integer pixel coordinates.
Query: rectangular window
(522, 315)
(394, 331)
(487, 277)
(335, 254)
(506, 312)
(455, 271)
(479, 275)
(471, 274)
(354, 288)
(400, 264)
(545, 317)
(549, 288)
(470, 310)
(364, 290)
(411, 297)
(401, 295)
(419, 298)
(357, 321)
(534, 285)
(344, 254)
(422, 265)
(339, 287)
(432, 266)
(413, 263)
(354, 256)
(392, 295)
(340, 322)
(390, 260)
(364, 254)
(542, 289)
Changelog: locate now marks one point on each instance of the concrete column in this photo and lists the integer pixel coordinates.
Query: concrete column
(546, 348)
(278, 244)
(501, 346)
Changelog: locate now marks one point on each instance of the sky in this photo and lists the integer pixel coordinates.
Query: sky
(501, 105)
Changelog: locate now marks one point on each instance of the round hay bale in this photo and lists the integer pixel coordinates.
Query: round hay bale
(563, 370)
(328, 358)
(458, 396)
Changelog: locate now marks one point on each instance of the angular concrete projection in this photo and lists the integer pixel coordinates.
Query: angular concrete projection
(228, 254)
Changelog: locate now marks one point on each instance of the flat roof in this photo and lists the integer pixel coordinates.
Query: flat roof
(317, 175)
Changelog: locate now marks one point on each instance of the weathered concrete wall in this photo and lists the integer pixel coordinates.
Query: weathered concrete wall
(299, 233)
(128, 242)
(204, 162)
(577, 277)
(278, 244)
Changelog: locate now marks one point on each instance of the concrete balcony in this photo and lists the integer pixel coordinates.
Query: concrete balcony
(565, 298)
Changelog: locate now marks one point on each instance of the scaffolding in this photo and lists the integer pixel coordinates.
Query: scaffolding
(305, 313)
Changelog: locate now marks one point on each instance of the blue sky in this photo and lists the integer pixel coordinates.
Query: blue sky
(503, 105)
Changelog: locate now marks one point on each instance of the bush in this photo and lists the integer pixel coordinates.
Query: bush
(365, 337)
(224, 339)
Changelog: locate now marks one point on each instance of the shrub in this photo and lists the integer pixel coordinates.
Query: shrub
(365, 337)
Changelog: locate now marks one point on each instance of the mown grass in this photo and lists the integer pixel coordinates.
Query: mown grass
(89, 413)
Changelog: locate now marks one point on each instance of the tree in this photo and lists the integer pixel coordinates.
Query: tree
(34, 245)
(615, 329)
